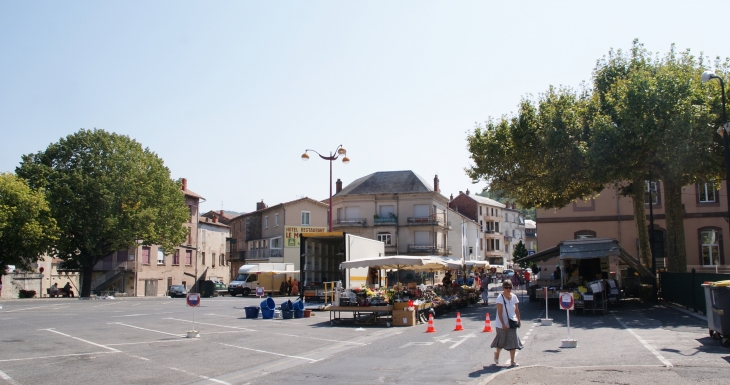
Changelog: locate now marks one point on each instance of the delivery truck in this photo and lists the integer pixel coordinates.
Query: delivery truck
(266, 275)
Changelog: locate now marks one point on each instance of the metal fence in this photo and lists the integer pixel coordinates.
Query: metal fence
(686, 288)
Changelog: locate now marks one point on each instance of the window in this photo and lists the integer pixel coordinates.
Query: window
(480, 210)
(481, 244)
(160, 256)
(339, 213)
(188, 257)
(176, 258)
(654, 193)
(276, 220)
(212, 259)
(387, 211)
(481, 225)
(145, 255)
(496, 226)
(305, 218)
(266, 222)
(710, 245)
(385, 238)
(496, 244)
(202, 258)
(707, 192)
(275, 243)
(221, 260)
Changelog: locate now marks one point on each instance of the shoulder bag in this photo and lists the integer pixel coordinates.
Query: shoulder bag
(513, 322)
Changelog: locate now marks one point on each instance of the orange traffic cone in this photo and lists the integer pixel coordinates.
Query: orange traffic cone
(430, 329)
(487, 325)
(458, 322)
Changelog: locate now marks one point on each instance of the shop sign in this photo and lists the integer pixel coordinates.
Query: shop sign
(291, 234)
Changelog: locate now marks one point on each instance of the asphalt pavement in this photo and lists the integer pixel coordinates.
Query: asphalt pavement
(142, 341)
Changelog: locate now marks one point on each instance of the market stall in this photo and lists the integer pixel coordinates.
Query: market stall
(590, 268)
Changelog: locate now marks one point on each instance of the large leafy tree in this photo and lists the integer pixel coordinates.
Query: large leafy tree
(643, 115)
(27, 229)
(107, 193)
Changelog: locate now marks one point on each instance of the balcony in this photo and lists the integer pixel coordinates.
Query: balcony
(429, 249)
(350, 222)
(390, 221)
(263, 254)
(431, 220)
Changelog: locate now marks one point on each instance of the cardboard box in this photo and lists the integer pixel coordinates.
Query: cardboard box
(400, 305)
(404, 318)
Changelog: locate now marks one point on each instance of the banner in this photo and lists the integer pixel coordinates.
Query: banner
(291, 234)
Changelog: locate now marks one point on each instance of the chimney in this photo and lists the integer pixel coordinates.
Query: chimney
(260, 205)
(338, 186)
(451, 198)
(215, 219)
(436, 183)
(514, 206)
(506, 204)
(467, 191)
(222, 212)
(185, 184)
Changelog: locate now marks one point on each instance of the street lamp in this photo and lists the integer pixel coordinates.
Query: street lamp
(333, 156)
(706, 77)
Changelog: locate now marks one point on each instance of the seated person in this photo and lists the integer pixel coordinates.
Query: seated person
(54, 290)
(67, 290)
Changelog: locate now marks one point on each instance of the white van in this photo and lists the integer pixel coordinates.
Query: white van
(245, 283)
(266, 275)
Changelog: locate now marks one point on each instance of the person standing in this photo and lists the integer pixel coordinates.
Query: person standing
(295, 287)
(485, 289)
(507, 337)
(289, 286)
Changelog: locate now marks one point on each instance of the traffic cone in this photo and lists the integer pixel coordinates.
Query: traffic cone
(430, 329)
(487, 325)
(458, 322)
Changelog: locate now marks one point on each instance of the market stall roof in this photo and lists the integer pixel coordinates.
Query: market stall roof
(588, 248)
(452, 263)
(397, 262)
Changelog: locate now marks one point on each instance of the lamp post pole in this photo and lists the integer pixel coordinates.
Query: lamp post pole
(333, 156)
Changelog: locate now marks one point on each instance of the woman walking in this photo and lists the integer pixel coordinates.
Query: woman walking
(507, 337)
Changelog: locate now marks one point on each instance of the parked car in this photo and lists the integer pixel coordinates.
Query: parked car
(177, 291)
(508, 273)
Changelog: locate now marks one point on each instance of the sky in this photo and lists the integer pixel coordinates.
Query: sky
(230, 93)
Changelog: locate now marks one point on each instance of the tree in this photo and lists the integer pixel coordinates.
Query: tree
(519, 252)
(643, 115)
(107, 193)
(27, 229)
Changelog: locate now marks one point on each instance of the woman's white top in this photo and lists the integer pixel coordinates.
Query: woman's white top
(511, 304)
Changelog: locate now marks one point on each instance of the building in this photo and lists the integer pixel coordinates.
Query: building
(530, 235)
(149, 270)
(271, 234)
(514, 231)
(609, 215)
(221, 216)
(464, 240)
(489, 214)
(398, 208)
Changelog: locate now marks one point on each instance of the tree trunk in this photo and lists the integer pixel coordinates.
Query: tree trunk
(674, 211)
(637, 189)
(86, 274)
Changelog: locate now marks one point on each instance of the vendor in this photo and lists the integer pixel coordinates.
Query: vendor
(447, 279)
(556, 273)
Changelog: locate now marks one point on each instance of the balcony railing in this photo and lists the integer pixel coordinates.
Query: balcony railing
(350, 222)
(429, 249)
(385, 221)
(430, 220)
(263, 254)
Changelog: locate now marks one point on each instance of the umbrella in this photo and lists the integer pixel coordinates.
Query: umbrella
(396, 262)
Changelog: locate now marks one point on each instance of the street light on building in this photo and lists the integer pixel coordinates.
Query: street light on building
(706, 77)
(333, 156)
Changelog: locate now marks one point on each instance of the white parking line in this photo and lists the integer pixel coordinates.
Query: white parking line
(321, 339)
(82, 340)
(149, 342)
(264, 351)
(107, 304)
(137, 315)
(7, 378)
(57, 356)
(646, 345)
(209, 324)
(201, 376)
(149, 330)
(28, 308)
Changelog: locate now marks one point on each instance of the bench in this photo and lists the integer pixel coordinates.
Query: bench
(59, 294)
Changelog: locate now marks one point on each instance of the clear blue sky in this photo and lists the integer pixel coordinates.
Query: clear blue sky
(231, 93)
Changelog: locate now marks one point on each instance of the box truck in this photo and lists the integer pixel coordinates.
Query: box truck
(266, 275)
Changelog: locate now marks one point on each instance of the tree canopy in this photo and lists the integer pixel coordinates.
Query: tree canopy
(107, 193)
(643, 116)
(27, 229)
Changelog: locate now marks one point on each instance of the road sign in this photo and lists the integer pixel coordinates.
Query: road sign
(566, 301)
(530, 252)
(260, 291)
(193, 299)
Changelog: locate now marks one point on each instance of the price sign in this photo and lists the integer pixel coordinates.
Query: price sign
(566, 301)
(193, 299)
